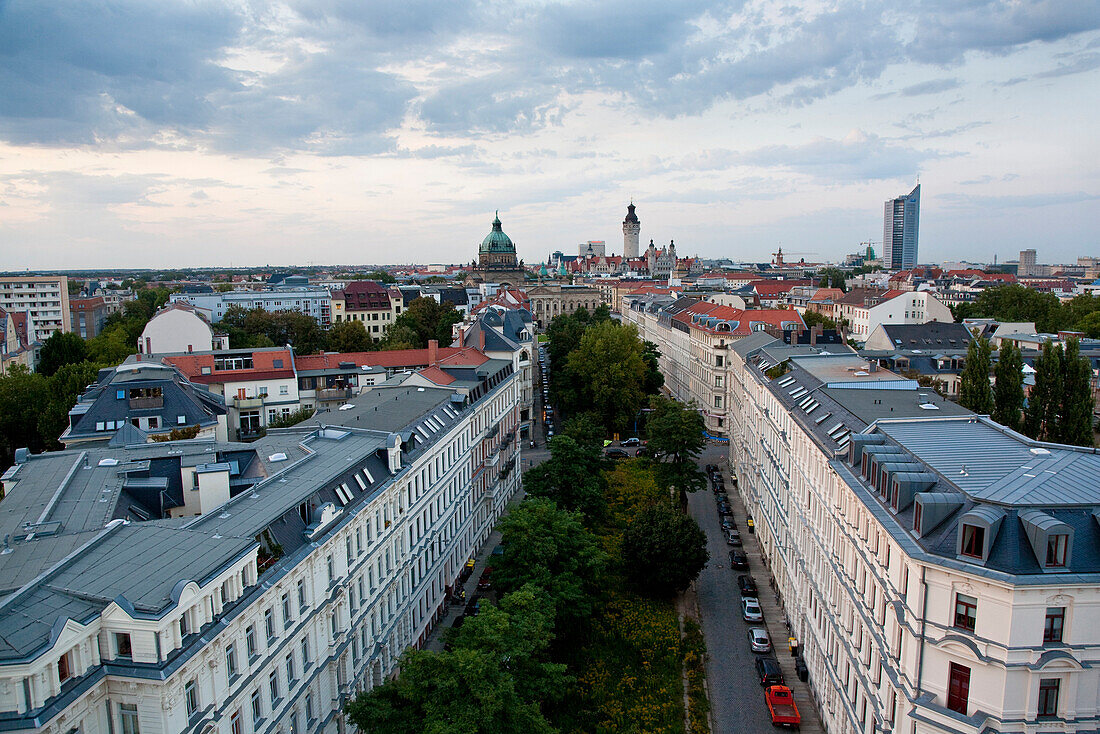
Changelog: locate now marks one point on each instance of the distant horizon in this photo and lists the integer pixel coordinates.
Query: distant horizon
(206, 135)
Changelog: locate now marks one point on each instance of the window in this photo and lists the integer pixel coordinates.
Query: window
(283, 389)
(250, 640)
(257, 709)
(269, 624)
(973, 541)
(301, 596)
(1056, 550)
(273, 686)
(309, 708)
(966, 612)
(122, 643)
(305, 653)
(181, 420)
(120, 395)
(191, 694)
(262, 391)
(129, 714)
(331, 570)
(290, 677)
(154, 422)
(958, 688)
(1056, 620)
(286, 610)
(235, 726)
(717, 401)
(1048, 696)
(64, 668)
(231, 661)
(917, 512)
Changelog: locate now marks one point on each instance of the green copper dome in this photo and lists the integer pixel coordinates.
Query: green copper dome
(497, 241)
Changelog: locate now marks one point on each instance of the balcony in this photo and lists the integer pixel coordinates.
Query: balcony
(146, 403)
(250, 434)
(333, 393)
(248, 403)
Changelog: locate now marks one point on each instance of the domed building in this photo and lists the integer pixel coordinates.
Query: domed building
(496, 260)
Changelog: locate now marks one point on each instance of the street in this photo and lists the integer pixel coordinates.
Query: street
(736, 698)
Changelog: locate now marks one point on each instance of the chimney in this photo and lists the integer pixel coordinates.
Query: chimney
(433, 352)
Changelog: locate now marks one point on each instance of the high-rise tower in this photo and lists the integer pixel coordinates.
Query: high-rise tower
(631, 228)
(899, 237)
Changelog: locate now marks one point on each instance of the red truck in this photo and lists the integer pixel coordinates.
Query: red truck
(782, 708)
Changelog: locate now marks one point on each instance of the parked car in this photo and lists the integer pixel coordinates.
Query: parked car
(747, 586)
(473, 607)
(759, 640)
(738, 560)
(769, 672)
(485, 582)
(781, 705)
(711, 468)
(643, 451)
(632, 441)
(616, 454)
(750, 610)
(733, 538)
(727, 523)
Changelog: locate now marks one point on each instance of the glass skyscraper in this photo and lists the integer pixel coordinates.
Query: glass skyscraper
(899, 237)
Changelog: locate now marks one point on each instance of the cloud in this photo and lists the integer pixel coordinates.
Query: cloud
(931, 86)
(858, 157)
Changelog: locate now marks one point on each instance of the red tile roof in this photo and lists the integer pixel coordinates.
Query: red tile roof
(436, 375)
(263, 367)
(744, 318)
(768, 288)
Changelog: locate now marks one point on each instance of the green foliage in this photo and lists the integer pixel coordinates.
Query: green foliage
(586, 429)
(59, 350)
(816, 318)
(1045, 399)
(422, 320)
(1075, 427)
(291, 419)
(349, 336)
(1060, 405)
(177, 434)
(695, 668)
(975, 392)
(605, 374)
(552, 549)
(663, 550)
(261, 328)
(832, 278)
(1008, 387)
(654, 380)
(122, 329)
(1015, 302)
(24, 399)
(675, 440)
(379, 275)
(572, 477)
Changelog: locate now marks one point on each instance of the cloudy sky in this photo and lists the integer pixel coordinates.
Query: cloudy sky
(164, 133)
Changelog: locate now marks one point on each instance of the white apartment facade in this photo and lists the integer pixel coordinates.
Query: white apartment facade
(315, 302)
(269, 640)
(911, 307)
(44, 298)
(936, 574)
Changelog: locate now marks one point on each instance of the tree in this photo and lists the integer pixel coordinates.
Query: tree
(24, 398)
(1045, 401)
(1075, 426)
(975, 392)
(816, 318)
(832, 278)
(428, 319)
(349, 336)
(654, 380)
(572, 477)
(65, 386)
(675, 440)
(1008, 386)
(606, 374)
(1015, 302)
(552, 549)
(464, 690)
(663, 550)
(586, 429)
(518, 634)
(59, 350)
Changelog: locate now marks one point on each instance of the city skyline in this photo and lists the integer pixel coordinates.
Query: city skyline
(279, 133)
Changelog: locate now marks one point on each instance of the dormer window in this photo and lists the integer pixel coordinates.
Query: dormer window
(1056, 550)
(973, 541)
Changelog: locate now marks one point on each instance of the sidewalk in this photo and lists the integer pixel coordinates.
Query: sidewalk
(774, 615)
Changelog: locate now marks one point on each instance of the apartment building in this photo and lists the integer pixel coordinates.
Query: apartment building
(180, 327)
(87, 315)
(375, 305)
(14, 349)
(44, 299)
(862, 310)
(939, 572)
(693, 338)
(296, 571)
(312, 301)
(550, 300)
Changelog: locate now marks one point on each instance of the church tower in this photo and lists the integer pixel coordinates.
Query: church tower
(631, 228)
